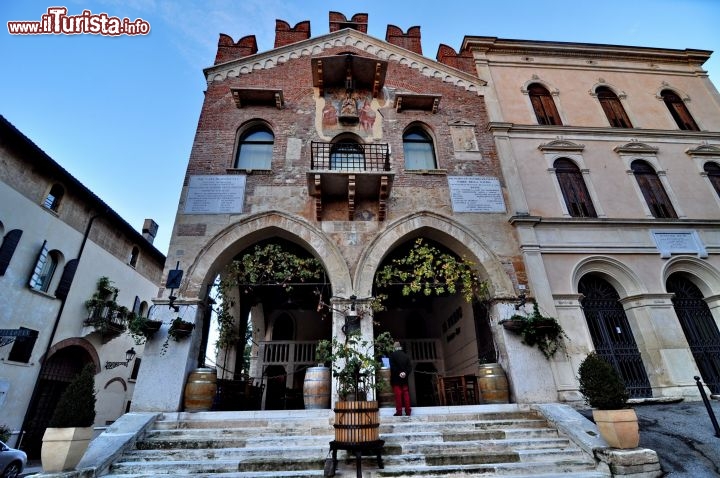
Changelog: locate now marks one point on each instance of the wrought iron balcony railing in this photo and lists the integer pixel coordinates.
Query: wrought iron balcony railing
(349, 156)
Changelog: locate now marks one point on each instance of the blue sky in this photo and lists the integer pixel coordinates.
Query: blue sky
(119, 113)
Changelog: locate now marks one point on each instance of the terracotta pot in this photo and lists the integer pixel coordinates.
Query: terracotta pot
(618, 427)
(62, 448)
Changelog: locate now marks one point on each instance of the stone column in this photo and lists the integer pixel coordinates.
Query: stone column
(162, 377)
(660, 339)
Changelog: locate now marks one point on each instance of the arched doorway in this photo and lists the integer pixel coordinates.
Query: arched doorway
(437, 326)
(57, 372)
(279, 316)
(699, 327)
(611, 333)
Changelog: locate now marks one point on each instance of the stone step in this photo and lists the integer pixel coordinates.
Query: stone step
(463, 441)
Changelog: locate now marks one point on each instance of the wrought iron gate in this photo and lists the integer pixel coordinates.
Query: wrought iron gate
(611, 334)
(699, 327)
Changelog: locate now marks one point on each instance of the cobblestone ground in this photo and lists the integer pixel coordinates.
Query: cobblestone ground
(683, 436)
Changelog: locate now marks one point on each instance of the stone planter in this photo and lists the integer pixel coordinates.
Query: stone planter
(618, 427)
(62, 448)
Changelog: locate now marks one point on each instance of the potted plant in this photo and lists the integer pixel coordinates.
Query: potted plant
(142, 328)
(70, 428)
(180, 329)
(537, 330)
(355, 366)
(605, 392)
(103, 311)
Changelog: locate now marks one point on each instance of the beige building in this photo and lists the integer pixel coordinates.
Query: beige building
(57, 239)
(612, 160)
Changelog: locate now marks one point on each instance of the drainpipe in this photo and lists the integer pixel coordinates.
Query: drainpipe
(33, 396)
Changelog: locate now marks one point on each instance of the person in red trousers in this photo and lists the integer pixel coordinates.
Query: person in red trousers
(400, 369)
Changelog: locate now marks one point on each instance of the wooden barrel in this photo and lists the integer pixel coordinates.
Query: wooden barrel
(493, 383)
(200, 390)
(386, 399)
(357, 421)
(316, 388)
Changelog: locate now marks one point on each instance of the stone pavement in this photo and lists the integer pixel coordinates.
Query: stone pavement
(683, 437)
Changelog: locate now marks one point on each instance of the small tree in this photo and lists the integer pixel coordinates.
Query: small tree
(601, 385)
(76, 407)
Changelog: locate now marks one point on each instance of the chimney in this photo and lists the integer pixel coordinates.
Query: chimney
(228, 51)
(284, 35)
(149, 230)
(358, 22)
(409, 41)
(462, 61)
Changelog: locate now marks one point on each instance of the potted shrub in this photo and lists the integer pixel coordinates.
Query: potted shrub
(355, 366)
(605, 392)
(179, 329)
(70, 428)
(537, 330)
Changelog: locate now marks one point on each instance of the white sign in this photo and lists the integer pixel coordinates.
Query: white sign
(476, 194)
(215, 195)
(678, 242)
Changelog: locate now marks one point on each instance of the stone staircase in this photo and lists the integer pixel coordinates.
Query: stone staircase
(482, 441)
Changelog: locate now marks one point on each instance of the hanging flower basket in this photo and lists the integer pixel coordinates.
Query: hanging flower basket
(537, 330)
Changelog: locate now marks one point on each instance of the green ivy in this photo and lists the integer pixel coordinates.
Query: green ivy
(427, 270)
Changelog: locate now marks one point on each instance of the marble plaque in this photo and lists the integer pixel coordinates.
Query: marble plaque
(678, 242)
(476, 194)
(215, 195)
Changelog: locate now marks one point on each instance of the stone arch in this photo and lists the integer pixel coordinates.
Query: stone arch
(227, 243)
(116, 379)
(619, 275)
(699, 272)
(455, 236)
(77, 342)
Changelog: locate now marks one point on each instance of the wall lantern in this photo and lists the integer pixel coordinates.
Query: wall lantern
(352, 319)
(129, 355)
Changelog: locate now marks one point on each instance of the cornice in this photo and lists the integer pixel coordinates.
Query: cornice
(585, 50)
(343, 38)
(617, 133)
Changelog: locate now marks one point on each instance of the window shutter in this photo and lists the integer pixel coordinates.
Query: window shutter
(136, 306)
(7, 249)
(35, 279)
(63, 287)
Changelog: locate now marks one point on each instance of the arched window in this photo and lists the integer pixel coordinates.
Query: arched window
(44, 269)
(574, 189)
(652, 190)
(256, 148)
(713, 173)
(52, 201)
(679, 111)
(134, 254)
(543, 104)
(347, 155)
(613, 108)
(418, 149)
